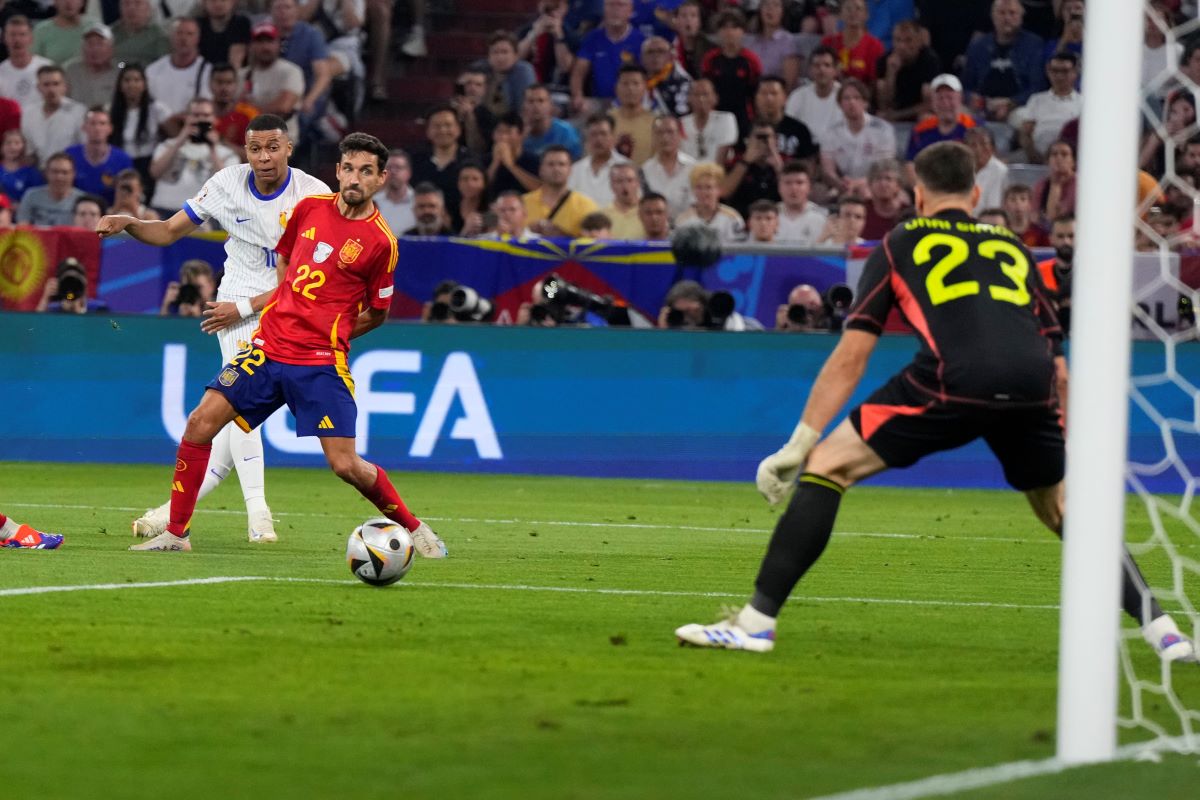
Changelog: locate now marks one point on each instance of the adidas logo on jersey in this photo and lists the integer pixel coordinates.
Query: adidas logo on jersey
(325, 424)
(311, 233)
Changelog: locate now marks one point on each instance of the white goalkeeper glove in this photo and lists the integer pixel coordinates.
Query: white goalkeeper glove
(778, 471)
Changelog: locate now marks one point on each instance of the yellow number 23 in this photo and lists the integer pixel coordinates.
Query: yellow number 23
(1012, 261)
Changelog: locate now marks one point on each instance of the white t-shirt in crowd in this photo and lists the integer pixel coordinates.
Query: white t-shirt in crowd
(55, 133)
(728, 224)
(399, 214)
(677, 188)
(991, 181)
(804, 228)
(818, 113)
(594, 184)
(175, 87)
(720, 130)
(854, 152)
(21, 84)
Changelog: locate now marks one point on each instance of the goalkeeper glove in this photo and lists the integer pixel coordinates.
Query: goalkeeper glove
(778, 471)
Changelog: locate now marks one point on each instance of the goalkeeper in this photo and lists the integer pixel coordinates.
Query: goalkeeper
(990, 366)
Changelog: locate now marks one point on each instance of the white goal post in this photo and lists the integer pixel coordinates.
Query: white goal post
(1098, 402)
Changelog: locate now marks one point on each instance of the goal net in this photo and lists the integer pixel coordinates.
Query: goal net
(1160, 702)
(1163, 530)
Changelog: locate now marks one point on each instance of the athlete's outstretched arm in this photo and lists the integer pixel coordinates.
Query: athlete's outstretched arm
(368, 321)
(835, 383)
(158, 232)
(838, 378)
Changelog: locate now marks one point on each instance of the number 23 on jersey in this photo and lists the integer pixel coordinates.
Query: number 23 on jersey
(1012, 262)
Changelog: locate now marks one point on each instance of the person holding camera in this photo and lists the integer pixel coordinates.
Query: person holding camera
(755, 176)
(689, 306)
(804, 311)
(180, 166)
(188, 296)
(66, 292)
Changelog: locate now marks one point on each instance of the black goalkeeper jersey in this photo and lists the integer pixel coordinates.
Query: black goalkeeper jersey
(973, 294)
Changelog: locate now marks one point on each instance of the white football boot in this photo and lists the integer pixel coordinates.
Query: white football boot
(1164, 636)
(153, 522)
(728, 634)
(428, 543)
(168, 542)
(262, 527)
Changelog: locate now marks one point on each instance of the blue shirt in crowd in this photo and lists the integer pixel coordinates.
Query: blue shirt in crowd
(560, 133)
(607, 57)
(99, 179)
(1004, 70)
(16, 181)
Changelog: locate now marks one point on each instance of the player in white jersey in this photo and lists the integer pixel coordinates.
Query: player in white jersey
(252, 202)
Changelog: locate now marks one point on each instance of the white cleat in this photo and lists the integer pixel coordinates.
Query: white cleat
(153, 522)
(1163, 635)
(165, 542)
(428, 543)
(262, 528)
(727, 635)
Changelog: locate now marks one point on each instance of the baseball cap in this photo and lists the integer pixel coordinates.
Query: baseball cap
(264, 30)
(100, 29)
(947, 80)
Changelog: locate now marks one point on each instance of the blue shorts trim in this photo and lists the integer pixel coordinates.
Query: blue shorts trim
(318, 395)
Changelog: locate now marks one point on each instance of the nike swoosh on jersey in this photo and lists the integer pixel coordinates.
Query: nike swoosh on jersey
(241, 220)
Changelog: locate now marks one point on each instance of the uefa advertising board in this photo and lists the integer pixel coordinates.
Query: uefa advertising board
(596, 402)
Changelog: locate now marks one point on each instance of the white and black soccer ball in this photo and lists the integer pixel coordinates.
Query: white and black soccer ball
(380, 552)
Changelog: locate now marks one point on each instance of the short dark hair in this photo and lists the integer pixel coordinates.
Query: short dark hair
(364, 143)
(598, 118)
(823, 50)
(222, 67)
(649, 197)
(772, 79)
(513, 120)
(994, 212)
(762, 206)
(61, 156)
(595, 221)
(46, 69)
(796, 168)
(267, 122)
(554, 148)
(428, 187)
(853, 200)
(89, 198)
(1015, 189)
(946, 168)
(502, 36)
(856, 85)
(535, 87)
(1065, 55)
(729, 17)
(631, 67)
(1063, 219)
(441, 108)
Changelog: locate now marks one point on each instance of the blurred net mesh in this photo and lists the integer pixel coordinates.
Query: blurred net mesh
(1162, 524)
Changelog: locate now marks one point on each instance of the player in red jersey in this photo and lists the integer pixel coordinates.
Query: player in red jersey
(336, 259)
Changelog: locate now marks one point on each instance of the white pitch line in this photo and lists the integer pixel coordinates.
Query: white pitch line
(1048, 539)
(954, 782)
(516, 587)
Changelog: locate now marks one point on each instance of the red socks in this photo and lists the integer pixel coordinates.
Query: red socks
(384, 497)
(191, 463)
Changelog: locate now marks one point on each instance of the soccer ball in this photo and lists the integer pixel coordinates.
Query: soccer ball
(379, 552)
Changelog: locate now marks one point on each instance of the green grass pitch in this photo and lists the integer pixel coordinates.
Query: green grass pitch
(924, 642)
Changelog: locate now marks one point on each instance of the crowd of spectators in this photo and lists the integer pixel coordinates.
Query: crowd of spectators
(607, 118)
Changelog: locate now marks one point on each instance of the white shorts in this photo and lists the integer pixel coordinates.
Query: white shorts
(236, 338)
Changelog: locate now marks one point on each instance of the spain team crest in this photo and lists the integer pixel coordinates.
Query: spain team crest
(228, 376)
(350, 251)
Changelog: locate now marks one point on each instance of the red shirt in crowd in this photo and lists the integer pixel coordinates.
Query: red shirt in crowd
(860, 60)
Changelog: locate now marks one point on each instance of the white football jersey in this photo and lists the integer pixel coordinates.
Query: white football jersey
(254, 222)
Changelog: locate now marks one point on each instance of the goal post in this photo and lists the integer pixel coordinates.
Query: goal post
(1098, 399)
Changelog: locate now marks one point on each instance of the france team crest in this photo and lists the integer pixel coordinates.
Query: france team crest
(350, 251)
(322, 252)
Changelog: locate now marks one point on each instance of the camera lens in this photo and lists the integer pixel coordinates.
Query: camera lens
(674, 318)
(797, 314)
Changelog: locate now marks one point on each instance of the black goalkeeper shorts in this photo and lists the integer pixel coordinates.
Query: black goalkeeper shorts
(902, 425)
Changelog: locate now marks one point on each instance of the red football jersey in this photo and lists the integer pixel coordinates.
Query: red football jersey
(336, 268)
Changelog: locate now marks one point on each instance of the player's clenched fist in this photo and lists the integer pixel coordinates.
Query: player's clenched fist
(113, 224)
(778, 471)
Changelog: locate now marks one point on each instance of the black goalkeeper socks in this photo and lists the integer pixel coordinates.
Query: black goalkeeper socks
(799, 539)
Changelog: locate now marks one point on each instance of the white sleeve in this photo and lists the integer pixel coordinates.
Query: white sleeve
(727, 131)
(212, 198)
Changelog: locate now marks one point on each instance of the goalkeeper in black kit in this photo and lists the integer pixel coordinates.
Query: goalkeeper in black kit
(990, 366)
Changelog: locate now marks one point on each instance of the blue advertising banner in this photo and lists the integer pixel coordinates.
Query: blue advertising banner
(135, 275)
(628, 403)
